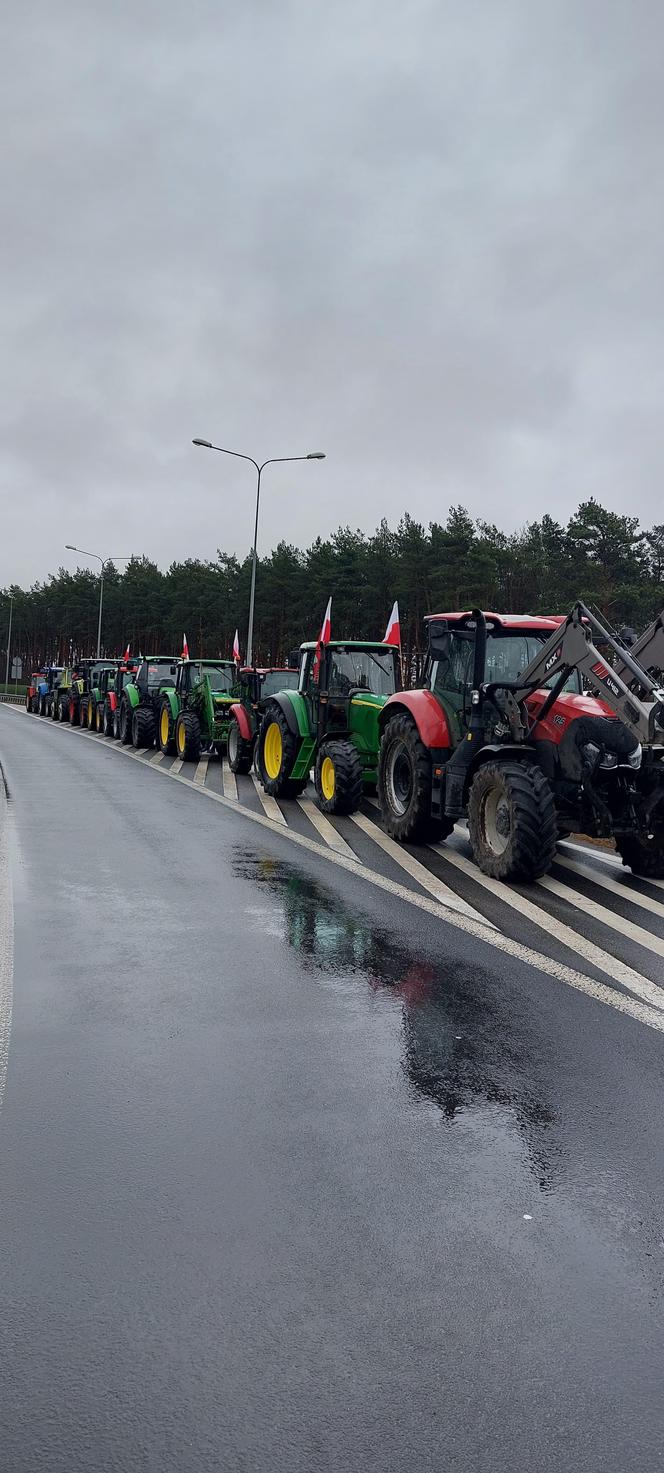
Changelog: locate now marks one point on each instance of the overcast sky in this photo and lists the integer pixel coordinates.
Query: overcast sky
(424, 236)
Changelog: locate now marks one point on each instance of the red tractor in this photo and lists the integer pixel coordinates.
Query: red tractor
(529, 730)
(255, 686)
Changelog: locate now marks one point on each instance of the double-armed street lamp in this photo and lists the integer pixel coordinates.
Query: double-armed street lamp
(277, 460)
(104, 562)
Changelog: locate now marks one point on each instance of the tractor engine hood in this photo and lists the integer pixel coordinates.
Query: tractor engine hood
(589, 736)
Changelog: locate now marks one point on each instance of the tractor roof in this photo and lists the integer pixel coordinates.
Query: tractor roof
(214, 663)
(268, 670)
(544, 623)
(350, 644)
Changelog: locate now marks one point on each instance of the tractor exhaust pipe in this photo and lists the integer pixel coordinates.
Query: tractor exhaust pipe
(457, 768)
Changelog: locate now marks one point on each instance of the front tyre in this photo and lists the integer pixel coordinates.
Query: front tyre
(276, 755)
(404, 785)
(125, 724)
(143, 728)
(338, 778)
(240, 752)
(166, 730)
(512, 821)
(188, 736)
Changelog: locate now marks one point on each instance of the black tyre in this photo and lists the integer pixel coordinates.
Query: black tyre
(99, 719)
(107, 723)
(53, 712)
(276, 754)
(90, 720)
(82, 713)
(166, 729)
(73, 712)
(338, 778)
(404, 785)
(143, 728)
(125, 723)
(63, 708)
(512, 821)
(116, 724)
(643, 855)
(188, 736)
(240, 751)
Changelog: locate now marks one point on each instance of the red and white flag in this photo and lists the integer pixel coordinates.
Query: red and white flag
(126, 654)
(185, 648)
(236, 648)
(393, 631)
(323, 638)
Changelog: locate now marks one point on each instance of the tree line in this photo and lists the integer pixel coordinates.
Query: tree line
(600, 556)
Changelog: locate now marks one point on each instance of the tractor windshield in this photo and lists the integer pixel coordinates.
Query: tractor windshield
(221, 677)
(362, 670)
(160, 675)
(277, 680)
(507, 656)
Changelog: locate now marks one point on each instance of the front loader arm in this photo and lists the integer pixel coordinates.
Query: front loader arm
(648, 650)
(571, 648)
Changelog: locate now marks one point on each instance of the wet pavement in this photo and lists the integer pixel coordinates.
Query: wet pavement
(293, 1173)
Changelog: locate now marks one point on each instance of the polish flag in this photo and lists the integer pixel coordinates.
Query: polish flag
(185, 648)
(393, 631)
(236, 648)
(125, 656)
(323, 638)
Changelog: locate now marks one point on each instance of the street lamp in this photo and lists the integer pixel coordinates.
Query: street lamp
(277, 460)
(104, 562)
(9, 638)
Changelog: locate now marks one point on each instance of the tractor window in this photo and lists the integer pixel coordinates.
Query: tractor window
(160, 675)
(277, 680)
(507, 656)
(306, 682)
(221, 677)
(361, 670)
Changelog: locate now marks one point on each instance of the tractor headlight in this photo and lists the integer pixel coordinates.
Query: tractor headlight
(634, 759)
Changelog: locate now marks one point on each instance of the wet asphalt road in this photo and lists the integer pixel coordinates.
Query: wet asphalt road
(294, 1176)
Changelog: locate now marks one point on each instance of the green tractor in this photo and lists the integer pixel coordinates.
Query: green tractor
(255, 687)
(195, 709)
(330, 721)
(140, 700)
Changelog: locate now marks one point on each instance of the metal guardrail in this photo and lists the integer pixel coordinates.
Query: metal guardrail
(12, 700)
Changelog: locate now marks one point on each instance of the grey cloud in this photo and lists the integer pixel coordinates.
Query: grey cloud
(424, 237)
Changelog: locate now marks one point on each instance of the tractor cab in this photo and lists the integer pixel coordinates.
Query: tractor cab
(192, 675)
(512, 642)
(353, 675)
(258, 683)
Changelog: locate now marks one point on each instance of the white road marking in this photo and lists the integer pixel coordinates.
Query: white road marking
(176, 766)
(544, 966)
(603, 960)
(228, 779)
(606, 855)
(326, 829)
(607, 917)
(156, 757)
(607, 882)
(270, 806)
(6, 938)
(442, 892)
(201, 770)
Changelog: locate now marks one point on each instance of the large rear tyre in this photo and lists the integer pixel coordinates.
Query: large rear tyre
(125, 724)
(53, 713)
(108, 722)
(63, 708)
(404, 785)
(338, 778)
(277, 750)
(82, 713)
(143, 728)
(512, 821)
(91, 724)
(188, 736)
(166, 729)
(644, 856)
(99, 719)
(240, 752)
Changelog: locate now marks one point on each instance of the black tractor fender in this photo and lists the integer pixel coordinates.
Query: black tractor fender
(283, 703)
(515, 751)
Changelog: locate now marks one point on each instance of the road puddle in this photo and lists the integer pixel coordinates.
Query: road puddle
(464, 1051)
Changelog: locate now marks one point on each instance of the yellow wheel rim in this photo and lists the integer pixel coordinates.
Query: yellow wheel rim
(165, 723)
(273, 750)
(90, 713)
(181, 740)
(327, 778)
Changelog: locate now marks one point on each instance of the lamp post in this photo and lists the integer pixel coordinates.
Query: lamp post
(277, 460)
(104, 562)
